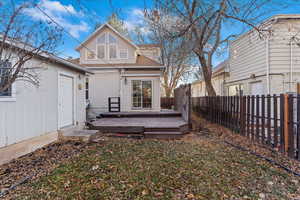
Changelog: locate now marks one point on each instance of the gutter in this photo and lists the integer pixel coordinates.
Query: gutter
(244, 79)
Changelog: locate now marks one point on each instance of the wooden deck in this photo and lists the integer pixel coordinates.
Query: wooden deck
(148, 124)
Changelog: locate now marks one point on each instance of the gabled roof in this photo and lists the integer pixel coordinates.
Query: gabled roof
(99, 30)
(141, 60)
(45, 55)
(268, 21)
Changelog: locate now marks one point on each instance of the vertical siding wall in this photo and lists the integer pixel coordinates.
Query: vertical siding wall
(35, 110)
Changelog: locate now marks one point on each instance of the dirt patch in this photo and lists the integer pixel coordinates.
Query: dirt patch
(38, 163)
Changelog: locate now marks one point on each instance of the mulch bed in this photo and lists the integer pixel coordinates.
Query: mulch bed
(226, 134)
(38, 163)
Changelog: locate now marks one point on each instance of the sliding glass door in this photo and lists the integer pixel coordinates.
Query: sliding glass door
(141, 94)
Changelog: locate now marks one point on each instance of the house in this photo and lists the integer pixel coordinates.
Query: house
(32, 116)
(268, 64)
(219, 75)
(127, 73)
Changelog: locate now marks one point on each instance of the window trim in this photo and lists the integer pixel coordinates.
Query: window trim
(11, 98)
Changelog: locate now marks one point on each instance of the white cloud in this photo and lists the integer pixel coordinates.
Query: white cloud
(62, 14)
(135, 18)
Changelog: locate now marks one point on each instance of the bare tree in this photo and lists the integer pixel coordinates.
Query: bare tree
(22, 39)
(202, 23)
(176, 54)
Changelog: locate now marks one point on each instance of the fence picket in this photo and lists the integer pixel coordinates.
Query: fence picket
(272, 120)
(263, 118)
(275, 116)
(257, 118)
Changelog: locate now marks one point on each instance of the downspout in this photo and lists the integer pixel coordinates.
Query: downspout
(291, 65)
(268, 65)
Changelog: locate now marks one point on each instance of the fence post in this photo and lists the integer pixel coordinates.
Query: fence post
(291, 126)
(286, 123)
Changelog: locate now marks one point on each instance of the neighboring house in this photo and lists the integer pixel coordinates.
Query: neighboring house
(219, 76)
(31, 116)
(121, 69)
(269, 65)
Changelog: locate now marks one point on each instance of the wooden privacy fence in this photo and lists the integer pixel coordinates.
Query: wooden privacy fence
(166, 102)
(271, 120)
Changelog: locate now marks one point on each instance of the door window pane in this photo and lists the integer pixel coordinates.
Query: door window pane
(136, 94)
(147, 94)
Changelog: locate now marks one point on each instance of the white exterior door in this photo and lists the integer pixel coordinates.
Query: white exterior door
(257, 88)
(66, 101)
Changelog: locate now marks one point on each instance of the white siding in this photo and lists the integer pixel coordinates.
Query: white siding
(35, 111)
(103, 84)
(247, 56)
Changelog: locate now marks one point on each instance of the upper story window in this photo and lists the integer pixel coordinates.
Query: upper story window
(5, 67)
(90, 55)
(112, 42)
(107, 47)
(123, 53)
(112, 39)
(101, 39)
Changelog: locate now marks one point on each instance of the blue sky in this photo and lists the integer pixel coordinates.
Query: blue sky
(79, 17)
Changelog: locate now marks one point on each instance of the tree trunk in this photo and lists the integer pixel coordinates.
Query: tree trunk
(207, 74)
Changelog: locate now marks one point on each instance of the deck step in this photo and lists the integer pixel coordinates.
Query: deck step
(163, 135)
(81, 135)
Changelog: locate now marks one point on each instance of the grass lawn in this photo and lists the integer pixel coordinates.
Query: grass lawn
(150, 169)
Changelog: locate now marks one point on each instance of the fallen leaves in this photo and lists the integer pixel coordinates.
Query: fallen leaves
(196, 168)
